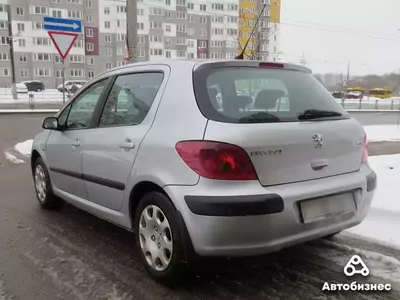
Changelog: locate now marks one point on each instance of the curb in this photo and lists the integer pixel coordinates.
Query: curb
(25, 111)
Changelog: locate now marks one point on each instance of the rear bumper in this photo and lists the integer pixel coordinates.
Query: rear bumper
(243, 219)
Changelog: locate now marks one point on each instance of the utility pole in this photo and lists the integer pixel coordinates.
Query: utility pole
(11, 44)
(131, 28)
(348, 71)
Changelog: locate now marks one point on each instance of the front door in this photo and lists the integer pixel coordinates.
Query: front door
(110, 150)
(64, 146)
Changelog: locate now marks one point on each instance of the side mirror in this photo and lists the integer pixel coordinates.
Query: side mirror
(50, 123)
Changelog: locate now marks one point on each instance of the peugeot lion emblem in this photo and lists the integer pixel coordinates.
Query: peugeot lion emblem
(317, 138)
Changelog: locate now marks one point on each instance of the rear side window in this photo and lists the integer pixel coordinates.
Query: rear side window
(259, 95)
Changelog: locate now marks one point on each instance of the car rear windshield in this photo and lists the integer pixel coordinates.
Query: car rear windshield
(259, 95)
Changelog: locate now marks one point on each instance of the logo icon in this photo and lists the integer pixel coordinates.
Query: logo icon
(317, 138)
(350, 268)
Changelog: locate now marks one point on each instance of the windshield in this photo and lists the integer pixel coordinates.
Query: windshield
(255, 95)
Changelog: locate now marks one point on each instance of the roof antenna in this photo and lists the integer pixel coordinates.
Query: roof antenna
(241, 55)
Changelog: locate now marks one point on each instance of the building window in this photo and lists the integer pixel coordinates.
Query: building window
(37, 25)
(75, 14)
(91, 74)
(24, 73)
(76, 58)
(191, 18)
(3, 40)
(107, 10)
(90, 61)
(203, 20)
(3, 25)
(190, 31)
(203, 32)
(107, 38)
(57, 59)
(202, 44)
(43, 72)
(74, 1)
(156, 38)
(167, 2)
(5, 72)
(168, 54)
(20, 11)
(181, 15)
(155, 25)
(121, 37)
(40, 41)
(107, 24)
(156, 11)
(156, 52)
(78, 44)
(181, 53)
(180, 41)
(4, 56)
(217, 6)
(203, 7)
(108, 66)
(140, 53)
(190, 43)
(141, 40)
(88, 3)
(168, 28)
(203, 55)
(56, 13)
(90, 47)
(59, 73)
(181, 2)
(121, 9)
(23, 58)
(42, 57)
(168, 15)
(21, 27)
(22, 42)
(140, 26)
(77, 73)
(190, 55)
(39, 10)
(89, 18)
(218, 19)
(89, 32)
(180, 28)
(108, 51)
(190, 6)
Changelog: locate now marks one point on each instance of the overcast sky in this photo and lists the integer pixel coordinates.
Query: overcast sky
(365, 32)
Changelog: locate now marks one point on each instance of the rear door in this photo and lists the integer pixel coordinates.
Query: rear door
(110, 150)
(292, 128)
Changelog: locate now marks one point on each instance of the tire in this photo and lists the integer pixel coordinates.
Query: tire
(38, 90)
(44, 192)
(175, 269)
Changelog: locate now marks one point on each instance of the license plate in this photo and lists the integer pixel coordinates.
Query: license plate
(327, 207)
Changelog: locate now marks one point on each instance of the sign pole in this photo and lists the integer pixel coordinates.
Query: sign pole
(63, 80)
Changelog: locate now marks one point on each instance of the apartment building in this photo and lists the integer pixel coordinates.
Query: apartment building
(166, 29)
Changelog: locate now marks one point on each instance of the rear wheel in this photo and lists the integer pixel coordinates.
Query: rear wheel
(158, 238)
(44, 191)
(39, 90)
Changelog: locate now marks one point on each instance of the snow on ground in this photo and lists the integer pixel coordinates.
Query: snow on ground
(380, 133)
(24, 148)
(12, 158)
(383, 221)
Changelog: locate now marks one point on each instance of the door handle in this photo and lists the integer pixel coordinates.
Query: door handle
(76, 143)
(319, 164)
(127, 144)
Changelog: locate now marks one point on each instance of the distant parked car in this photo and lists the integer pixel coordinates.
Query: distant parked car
(21, 88)
(338, 95)
(354, 95)
(34, 85)
(69, 84)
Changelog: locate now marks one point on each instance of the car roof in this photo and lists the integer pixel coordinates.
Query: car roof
(200, 63)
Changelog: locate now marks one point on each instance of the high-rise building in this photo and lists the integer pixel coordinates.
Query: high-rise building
(262, 38)
(166, 29)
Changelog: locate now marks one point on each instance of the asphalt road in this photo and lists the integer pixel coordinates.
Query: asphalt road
(73, 255)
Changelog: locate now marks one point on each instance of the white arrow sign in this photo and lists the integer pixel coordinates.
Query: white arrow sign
(74, 26)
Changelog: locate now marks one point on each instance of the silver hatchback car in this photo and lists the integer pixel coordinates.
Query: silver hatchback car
(207, 158)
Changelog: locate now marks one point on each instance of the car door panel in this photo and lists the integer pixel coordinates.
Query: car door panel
(109, 151)
(64, 146)
(65, 162)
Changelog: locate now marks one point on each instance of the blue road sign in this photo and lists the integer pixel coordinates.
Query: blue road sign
(65, 25)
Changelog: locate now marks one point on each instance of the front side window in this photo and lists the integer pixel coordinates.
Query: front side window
(82, 108)
(130, 99)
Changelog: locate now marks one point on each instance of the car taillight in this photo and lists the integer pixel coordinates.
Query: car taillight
(364, 158)
(215, 160)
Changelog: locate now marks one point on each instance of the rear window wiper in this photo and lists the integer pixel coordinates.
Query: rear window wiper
(310, 114)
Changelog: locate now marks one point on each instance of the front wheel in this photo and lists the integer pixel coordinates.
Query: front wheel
(158, 238)
(44, 192)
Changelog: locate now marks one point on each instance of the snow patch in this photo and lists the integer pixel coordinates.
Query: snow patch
(24, 148)
(12, 158)
(382, 133)
(383, 220)
(2, 291)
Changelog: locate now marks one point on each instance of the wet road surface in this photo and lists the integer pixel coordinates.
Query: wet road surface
(73, 255)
